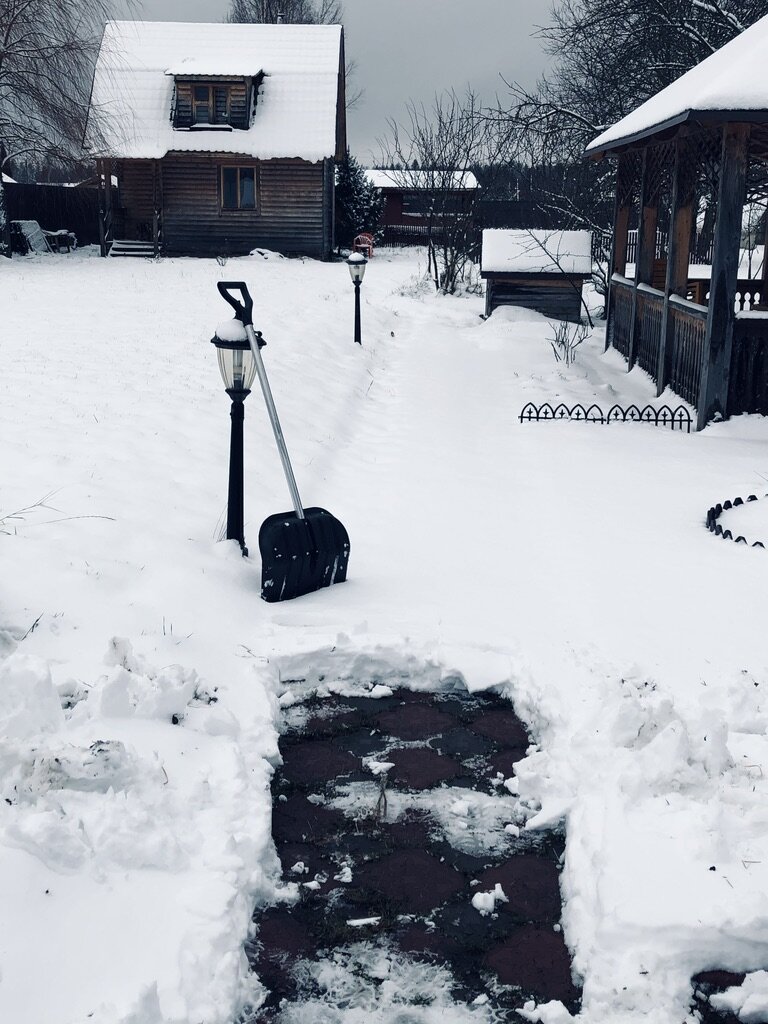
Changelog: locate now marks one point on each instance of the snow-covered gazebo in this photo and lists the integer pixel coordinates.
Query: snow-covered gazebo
(701, 143)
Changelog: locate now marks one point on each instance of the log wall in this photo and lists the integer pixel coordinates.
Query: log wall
(555, 295)
(291, 215)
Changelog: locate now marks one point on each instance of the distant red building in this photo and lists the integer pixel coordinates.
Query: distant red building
(415, 200)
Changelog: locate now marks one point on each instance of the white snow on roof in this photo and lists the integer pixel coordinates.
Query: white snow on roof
(732, 78)
(536, 251)
(8, 180)
(416, 180)
(296, 111)
(217, 66)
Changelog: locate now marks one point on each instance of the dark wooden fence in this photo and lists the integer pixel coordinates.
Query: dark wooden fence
(54, 207)
(689, 328)
(748, 384)
(650, 314)
(621, 318)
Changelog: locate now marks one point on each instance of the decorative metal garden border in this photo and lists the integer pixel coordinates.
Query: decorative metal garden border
(714, 513)
(664, 416)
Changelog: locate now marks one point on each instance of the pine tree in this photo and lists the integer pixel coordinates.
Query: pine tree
(359, 204)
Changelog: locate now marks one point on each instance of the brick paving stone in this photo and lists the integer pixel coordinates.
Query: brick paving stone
(462, 743)
(414, 722)
(297, 820)
(536, 960)
(312, 762)
(421, 768)
(530, 883)
(503, 726)
(412, 879)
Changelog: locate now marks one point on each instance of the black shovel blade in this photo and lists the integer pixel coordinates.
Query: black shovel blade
(299, 556)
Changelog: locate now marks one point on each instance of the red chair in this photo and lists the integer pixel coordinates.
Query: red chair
(363, 243)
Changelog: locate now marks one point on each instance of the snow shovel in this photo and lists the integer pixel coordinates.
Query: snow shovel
(303, 550)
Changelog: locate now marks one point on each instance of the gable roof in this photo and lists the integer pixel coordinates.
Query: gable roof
(536, 251)
(729, 82)
(298, 103)
(413, 181)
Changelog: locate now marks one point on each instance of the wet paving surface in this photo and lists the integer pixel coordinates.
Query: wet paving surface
(391, 814)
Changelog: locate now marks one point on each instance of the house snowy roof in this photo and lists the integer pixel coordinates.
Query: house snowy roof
(536, 252)
(416, 180)
(731, 80)
(296, 113)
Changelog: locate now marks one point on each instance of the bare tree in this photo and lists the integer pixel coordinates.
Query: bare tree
(609, 56)
(290, 12)
(435, 154)
(296, 12)
(47, 54)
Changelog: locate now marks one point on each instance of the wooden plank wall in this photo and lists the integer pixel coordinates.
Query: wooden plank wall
(557, 297)
(289, 216)
(239, 102)
(136, 208)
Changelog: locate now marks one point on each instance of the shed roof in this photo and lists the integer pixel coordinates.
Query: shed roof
(414, 181)
(536, 251)
(729, 85)
(296, 114)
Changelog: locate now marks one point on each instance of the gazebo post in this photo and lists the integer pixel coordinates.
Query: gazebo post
(678, 254)
(622, 210)
(718, 342)
(646, 251)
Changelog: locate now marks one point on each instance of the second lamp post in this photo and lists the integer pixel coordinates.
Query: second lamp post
(357, 264)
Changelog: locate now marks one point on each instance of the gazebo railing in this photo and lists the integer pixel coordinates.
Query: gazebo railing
(621, 313)
(650, 316)
(748, 383)
(689, 329)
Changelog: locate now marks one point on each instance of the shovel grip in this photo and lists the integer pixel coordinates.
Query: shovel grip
(243, 310)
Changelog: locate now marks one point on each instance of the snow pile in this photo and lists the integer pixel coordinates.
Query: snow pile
(565, 563)
(371, 984)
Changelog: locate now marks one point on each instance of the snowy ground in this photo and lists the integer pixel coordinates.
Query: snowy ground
(567, 564)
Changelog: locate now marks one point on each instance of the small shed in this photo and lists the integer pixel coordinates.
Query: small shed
(538, 269)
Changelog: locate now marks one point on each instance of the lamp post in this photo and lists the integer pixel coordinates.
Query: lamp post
(357, 264)
(238, 369)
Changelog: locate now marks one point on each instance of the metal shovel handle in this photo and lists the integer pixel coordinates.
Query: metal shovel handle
(244, 313)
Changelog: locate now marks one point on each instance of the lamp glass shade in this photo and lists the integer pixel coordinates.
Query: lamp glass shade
(238, 368)
(357, 264)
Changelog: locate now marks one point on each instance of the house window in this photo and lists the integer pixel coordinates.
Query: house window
(211, 104)
(238, 188)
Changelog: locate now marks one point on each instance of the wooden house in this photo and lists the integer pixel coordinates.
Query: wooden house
(701, 144)
(537, 269)
(223, 138)
(416, 201)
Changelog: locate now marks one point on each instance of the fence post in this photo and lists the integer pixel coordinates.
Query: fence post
(718, 342)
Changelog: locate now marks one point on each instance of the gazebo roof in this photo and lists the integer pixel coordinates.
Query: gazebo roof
(730, 85)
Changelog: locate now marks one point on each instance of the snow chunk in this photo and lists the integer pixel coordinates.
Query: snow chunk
(30, 702)
(231, 330)
(485, 902)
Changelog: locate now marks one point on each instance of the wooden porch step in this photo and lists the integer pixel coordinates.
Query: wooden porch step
(126, 247)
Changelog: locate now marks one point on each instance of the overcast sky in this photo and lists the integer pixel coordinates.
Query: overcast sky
(412, 49)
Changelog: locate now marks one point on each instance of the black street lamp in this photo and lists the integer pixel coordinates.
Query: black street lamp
(238, 369)
(357, 264)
